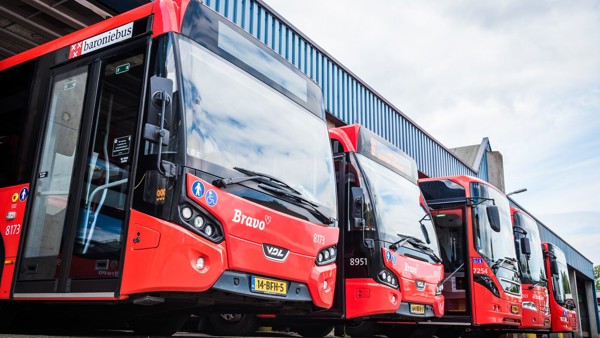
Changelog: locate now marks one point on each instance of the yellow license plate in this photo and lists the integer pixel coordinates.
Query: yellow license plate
(514, 309)
(269, 286)
(417, 309)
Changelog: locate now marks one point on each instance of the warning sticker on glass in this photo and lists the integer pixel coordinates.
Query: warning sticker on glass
(121, 146)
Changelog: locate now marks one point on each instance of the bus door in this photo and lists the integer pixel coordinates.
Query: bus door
(79, 198)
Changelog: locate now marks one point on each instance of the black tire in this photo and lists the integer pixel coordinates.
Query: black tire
(157, 325)
(361, 328)
(314, 330)
(227, 324)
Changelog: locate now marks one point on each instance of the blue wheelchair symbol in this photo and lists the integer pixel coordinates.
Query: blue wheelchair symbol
(393, 259)
(211, 198)
(388, 256)
(198, 189)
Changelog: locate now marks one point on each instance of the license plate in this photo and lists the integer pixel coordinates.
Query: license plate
(514, 309)
(417, 309)
(268, 286)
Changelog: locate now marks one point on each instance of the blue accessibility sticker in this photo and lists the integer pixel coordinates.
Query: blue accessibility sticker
(211, 198)
(23, 194)
(198, 189)
(393, 259)
(477, 260)
(388, 255)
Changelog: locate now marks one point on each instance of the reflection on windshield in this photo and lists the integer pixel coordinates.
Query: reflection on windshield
(561, 285)
(490, 244)
(235, 120)
(532, 270)
(396, 203)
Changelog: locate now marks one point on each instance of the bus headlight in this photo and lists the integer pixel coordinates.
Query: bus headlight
(326, 256)
(388, 278)
(198, 222)
(186, 213)
(201, 222)
(529, 306)
(488, 283)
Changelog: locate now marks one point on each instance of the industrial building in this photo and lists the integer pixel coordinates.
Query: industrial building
(348, 99)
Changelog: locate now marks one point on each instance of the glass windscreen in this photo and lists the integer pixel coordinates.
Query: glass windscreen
(497, 248)
(489, 243)
(235, 120)
(396, 204)
(562, 284)
(532, 269)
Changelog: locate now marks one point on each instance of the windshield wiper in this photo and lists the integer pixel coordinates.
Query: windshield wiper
(540, 282)
(415, 242)
(253, 175)
(501, 261)
(313, 206)
(405, 239)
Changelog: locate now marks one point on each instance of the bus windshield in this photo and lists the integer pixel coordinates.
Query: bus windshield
(235, 120)
(496, 247)
(396, 204)
(532, 269)
(561, 286)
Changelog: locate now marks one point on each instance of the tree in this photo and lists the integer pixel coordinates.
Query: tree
(597, 277)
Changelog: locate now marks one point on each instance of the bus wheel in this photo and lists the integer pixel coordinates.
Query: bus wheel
(158, 325)
(229, 324)
(361, 328)
(314, 330)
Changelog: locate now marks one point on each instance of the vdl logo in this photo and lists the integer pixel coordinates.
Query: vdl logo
(275, 253)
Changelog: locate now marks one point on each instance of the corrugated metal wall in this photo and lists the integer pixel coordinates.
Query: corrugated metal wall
(351, 100)
(346, 96)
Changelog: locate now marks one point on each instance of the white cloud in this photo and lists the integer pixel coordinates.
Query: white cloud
(524, 74)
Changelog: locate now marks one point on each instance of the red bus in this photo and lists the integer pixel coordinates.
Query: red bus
(391, 267)
(562, 305)
(164, 160)
(534, 283)
(482, 289)
(389, 270)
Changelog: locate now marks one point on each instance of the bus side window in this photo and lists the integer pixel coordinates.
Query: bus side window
(14, 94)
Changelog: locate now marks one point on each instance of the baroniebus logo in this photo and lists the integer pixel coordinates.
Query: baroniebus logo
(101, 40)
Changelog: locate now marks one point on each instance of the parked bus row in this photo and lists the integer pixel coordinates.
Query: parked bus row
(165, 163)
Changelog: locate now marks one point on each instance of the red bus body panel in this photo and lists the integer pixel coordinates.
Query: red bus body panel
(161, 256)
(245, 236)
(13, 202)
(409, 270)
(540, 319)
(366, 297)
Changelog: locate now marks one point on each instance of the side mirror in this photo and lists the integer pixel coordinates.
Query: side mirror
(159, 114)
(554, 267)
(493, 216)
(357, 205)
(525, 246)
(570, 304)
(159, 110)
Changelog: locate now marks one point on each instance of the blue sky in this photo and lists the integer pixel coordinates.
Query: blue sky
(526, 74)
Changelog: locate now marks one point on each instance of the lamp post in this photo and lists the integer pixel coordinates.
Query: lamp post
(517, 192)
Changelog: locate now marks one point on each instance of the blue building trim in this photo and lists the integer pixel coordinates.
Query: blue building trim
(347, 97)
